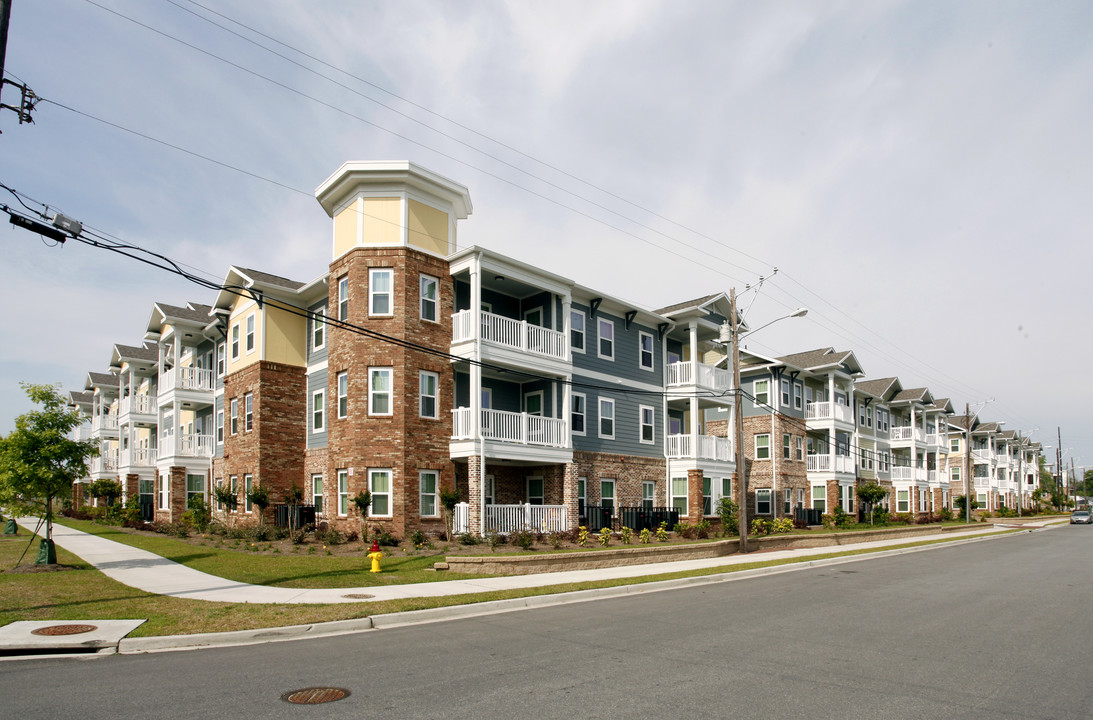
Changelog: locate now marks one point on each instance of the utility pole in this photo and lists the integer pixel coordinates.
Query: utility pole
(1058, 462)
(1020, 475)
(5, 17)
(738, 419)
(967, 463)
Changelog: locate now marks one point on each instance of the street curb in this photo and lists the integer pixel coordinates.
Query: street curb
(168, 643)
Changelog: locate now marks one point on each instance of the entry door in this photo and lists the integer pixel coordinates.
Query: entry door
(490, 498)
(534, 317)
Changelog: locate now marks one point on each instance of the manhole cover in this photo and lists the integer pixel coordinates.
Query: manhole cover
(63, 630)
(315, 695)
(359, 596)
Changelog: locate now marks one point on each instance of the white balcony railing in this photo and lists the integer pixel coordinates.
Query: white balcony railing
(104, 422)
(193, 445)
(909, 474)
(511, 333)
(138, 405)
(983, 455)
(511, 427)
(82, 433)
(828, 411)
(698, 374)
(823, 463)
(187, 378)
(908, 433)
(137, 457)
(107, 462)
(933, 439)
(710, 447)
(509, 518)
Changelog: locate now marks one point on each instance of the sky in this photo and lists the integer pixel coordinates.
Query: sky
(917, 174)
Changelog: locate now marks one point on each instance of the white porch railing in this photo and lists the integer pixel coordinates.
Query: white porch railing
(909, 474)
(710, 447)
(828, 411)
(104, 422)
(511, 333)
(908, 433)
(138, 404)
(186, 378)
(188, 445)
(540, 518)
(983, 455)
(511, 427)
(107, 462)
(698, 374)
(823, 463)
(461, 519)
(137, 457)
(82, 433)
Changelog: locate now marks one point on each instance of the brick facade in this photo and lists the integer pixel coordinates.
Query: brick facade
(789, 473)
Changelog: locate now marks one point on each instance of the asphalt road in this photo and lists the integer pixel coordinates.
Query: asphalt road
(993, 629)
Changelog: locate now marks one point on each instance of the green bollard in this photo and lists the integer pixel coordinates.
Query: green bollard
(47, 553)
(10, 527)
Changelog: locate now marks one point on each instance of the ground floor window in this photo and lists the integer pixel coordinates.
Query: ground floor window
(679, 495)
(762, 501)
(648, 489)
(343, 492)
(317, 493)
(582, 484)
(981, 500)
(787, 504)
(903, 499)
(248, 488)
(535, 491)
(428, 480)
(726, 488)
(379, 484)
(819, 498)
(707, 499)
(848, 498)
(164, 492)
(607, 493)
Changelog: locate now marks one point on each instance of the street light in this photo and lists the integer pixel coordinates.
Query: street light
(730, 332)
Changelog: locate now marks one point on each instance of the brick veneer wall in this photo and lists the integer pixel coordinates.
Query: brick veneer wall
(791, 473)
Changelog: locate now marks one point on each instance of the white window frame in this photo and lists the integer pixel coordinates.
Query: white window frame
(248, 486)
(249, 343)
(343, 298)
(800, 449)
(610, 417)
(424, 494)
(955, 474)
(375, 295)
(798, 392)
(903, 501)
(378, 494)
(673, 487)
(219, 427)
(343, 492)
(318, 329)
(318, 411)
(765, 448)
(787, 390)
(609, 482)
(787, 501)
(602, 323)
(235, 341)
(643, 411)
(539, 496)
(762, 397)
(342, 380)
(642, 352)
(954, 445)
(374, 395)
(423, 395)
(248, 412)
(578, 408)
(787, 446)
(648, 493)
(317, 497)
(527, 405)
(761, 493)
(427, 281)
(234, 416)
(221, 359)
(575, 332)
(707, 497)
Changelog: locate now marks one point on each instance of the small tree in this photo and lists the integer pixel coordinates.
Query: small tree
(39, 461)
(105, 489)
(228, 500)
(292, 498)
(448, 500)
(362, 501)
(726, 510)
(260, 497)
(871, 493)
(961, 502)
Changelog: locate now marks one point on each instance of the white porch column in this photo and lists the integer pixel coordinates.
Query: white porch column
(692, 330)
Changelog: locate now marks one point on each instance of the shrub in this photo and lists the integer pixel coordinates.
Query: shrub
(627, 535)
(523, 539)
(494, 539)
(945, 514)
(684, 530)
(702, 529)
(605, 536)
(800, 523)
(782, 525)
(726, 510)
(662, 532)
(261, 533)
(582, 535)
(762, 526)
(331, 536)
(904, 518)
(556, 539)
(468, 538)
(418, 539)
(645, 537)
(842, 518)
(880, 516)
(828, 521)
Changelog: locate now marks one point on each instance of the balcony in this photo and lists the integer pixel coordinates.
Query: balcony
(137, 405)
(908, 474)
(825, 411)
(196, 446)
(707, 377)
(982, 455)
(710, 447)
(82, 433)
(105, 464)
(511, 334)
(511, 427)
(825, 463)
(137, 457)
(99, 423)
(187, 378)
(907, 433)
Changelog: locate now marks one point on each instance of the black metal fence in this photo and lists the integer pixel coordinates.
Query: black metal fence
(597, 518)
(639, 518)
(304, 515)
(810, 516)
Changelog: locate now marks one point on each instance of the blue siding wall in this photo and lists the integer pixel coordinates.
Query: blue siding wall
(625, 363)
(218, 406)
(317, 381)
(627, 424)
(317, 356)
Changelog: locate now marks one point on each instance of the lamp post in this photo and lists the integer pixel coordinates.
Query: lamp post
(738, 413)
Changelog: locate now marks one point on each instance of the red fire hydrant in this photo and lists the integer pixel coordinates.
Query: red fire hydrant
(375, 555)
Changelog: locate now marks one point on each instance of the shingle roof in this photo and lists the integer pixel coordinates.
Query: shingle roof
(97, 378)
(818, 358)
(268, 279)
(911, 395)
(137, 353)
(877, 388)
(186, 313)
(697, 302)
(80, 397)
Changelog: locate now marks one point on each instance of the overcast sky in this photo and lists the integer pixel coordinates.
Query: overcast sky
(920, 173)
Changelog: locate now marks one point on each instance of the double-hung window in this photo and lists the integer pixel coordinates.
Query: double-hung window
(645, 350)
(380, 281)
(235, 341)
(318, 411)
(317, 493)
(606, 339)
(800, 448)
(607, 493)
(797, 392)
(577, 414)
(343, 394)
(762, 392)
(250, 333)
(343, 297)
(429, 286)
(219, 427)
(576, 330)
(707, 497)
(762, 447)
(763, 501)
(248, 488)
(647, 427)
(787, 448)
(427, 398)
(248, 410)
(607, 418)
(343, 492)
(785, 392)
(648, 488)
(234, 416)
(679, 494)
(221, 359)
(379, 484)
(379, 391)
(428, 481)
(318, 329)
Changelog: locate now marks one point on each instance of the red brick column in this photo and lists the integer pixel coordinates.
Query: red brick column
(476, 478)
(177, 494)
(569, 494)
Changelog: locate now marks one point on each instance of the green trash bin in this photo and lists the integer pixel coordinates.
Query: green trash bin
(10, 527)
(47, 553)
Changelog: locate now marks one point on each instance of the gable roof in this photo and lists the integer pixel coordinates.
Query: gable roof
(921, 395)
(882, 388)
(824, 357)
(942, 404)
(94, 379)
(696, 304)
(263, 278)
(80, 397)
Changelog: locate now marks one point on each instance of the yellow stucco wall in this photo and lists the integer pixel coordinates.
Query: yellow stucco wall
(286, 335)
(368, 221)
(428, 228)
(243, 307)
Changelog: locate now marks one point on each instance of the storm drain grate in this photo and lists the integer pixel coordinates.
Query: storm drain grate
(359, 596)
(64, 630)
(315, 695)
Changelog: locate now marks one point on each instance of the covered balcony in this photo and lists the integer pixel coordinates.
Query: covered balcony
(187, 445)
(140, 405)
(686, 374)
(909, 474)
(510, 333)
(104, 425)
(907, 434)
(709, 447)
(516, 428)
(507, 519)
(186, 378)
(137, 458)
(829, 463)
(105, 465)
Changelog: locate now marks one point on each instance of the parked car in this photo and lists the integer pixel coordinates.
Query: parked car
(1081, 516)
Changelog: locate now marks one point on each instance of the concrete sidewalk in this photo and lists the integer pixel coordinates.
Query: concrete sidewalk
(149, 572)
